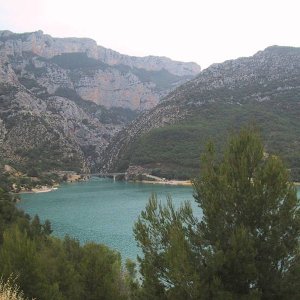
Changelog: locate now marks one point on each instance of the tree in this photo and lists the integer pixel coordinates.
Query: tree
(101, 273)
(246, 246)
(167, 266)
(47, 229)
(36, 226)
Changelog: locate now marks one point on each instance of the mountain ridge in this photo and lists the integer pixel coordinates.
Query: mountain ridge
(263, 87)
(47, 46)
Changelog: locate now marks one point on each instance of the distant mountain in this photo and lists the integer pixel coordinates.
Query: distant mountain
(263, 89)
(62, 99)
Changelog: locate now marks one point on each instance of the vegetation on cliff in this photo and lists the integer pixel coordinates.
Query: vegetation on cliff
(172, 151)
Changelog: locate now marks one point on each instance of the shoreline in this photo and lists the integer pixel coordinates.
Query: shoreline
(179, 182)
(47, 188)
(174, 182)
(43, 189)
(167, 182)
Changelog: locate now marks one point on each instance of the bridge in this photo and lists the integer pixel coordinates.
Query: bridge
(111, 175)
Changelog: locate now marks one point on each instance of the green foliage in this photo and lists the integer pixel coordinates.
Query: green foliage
(7, 92)
(246, 246)
(34, 178)
(163, 79)
(101, 272)
(49, 268)
(174, 149)
(116, 115)
(70, 94)
(45, 150)
(167, 263)
(19, 255)
(77, 61)
(31, 68)
(131, 280)
(49, 156)
(29, 83)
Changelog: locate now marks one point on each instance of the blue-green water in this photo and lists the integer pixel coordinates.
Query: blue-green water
(100, 210)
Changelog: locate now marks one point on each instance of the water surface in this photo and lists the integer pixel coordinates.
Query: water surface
(100, 210)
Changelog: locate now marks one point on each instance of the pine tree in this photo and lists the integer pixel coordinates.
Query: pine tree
(246, 246)
(251, 220)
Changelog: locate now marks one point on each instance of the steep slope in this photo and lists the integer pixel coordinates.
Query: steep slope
(263, 89)
(61, 101)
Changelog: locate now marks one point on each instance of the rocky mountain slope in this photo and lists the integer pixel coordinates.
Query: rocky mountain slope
(95, 73)
(62, 99)
(263, 89)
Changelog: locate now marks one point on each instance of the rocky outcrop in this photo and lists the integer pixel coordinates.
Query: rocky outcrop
(46, 46)
(274, 66)
(150, 63)
(96, 74)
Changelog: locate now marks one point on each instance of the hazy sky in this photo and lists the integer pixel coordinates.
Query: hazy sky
(190, 30)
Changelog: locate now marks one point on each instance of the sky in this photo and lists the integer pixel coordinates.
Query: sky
(205, 32)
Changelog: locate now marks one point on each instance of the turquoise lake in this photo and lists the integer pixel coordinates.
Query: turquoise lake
(100, 210)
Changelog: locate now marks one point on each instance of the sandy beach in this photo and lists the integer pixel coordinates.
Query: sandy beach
(43, 189)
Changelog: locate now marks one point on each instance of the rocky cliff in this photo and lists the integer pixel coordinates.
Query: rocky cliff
(62, 99)
(95, 73)
(149, 63)
(263, 89)
(46, 46)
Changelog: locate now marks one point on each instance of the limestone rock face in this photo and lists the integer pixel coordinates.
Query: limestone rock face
(63, 99)
(150, 63)
(111, 89)
(44, 45)
(96, 74)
